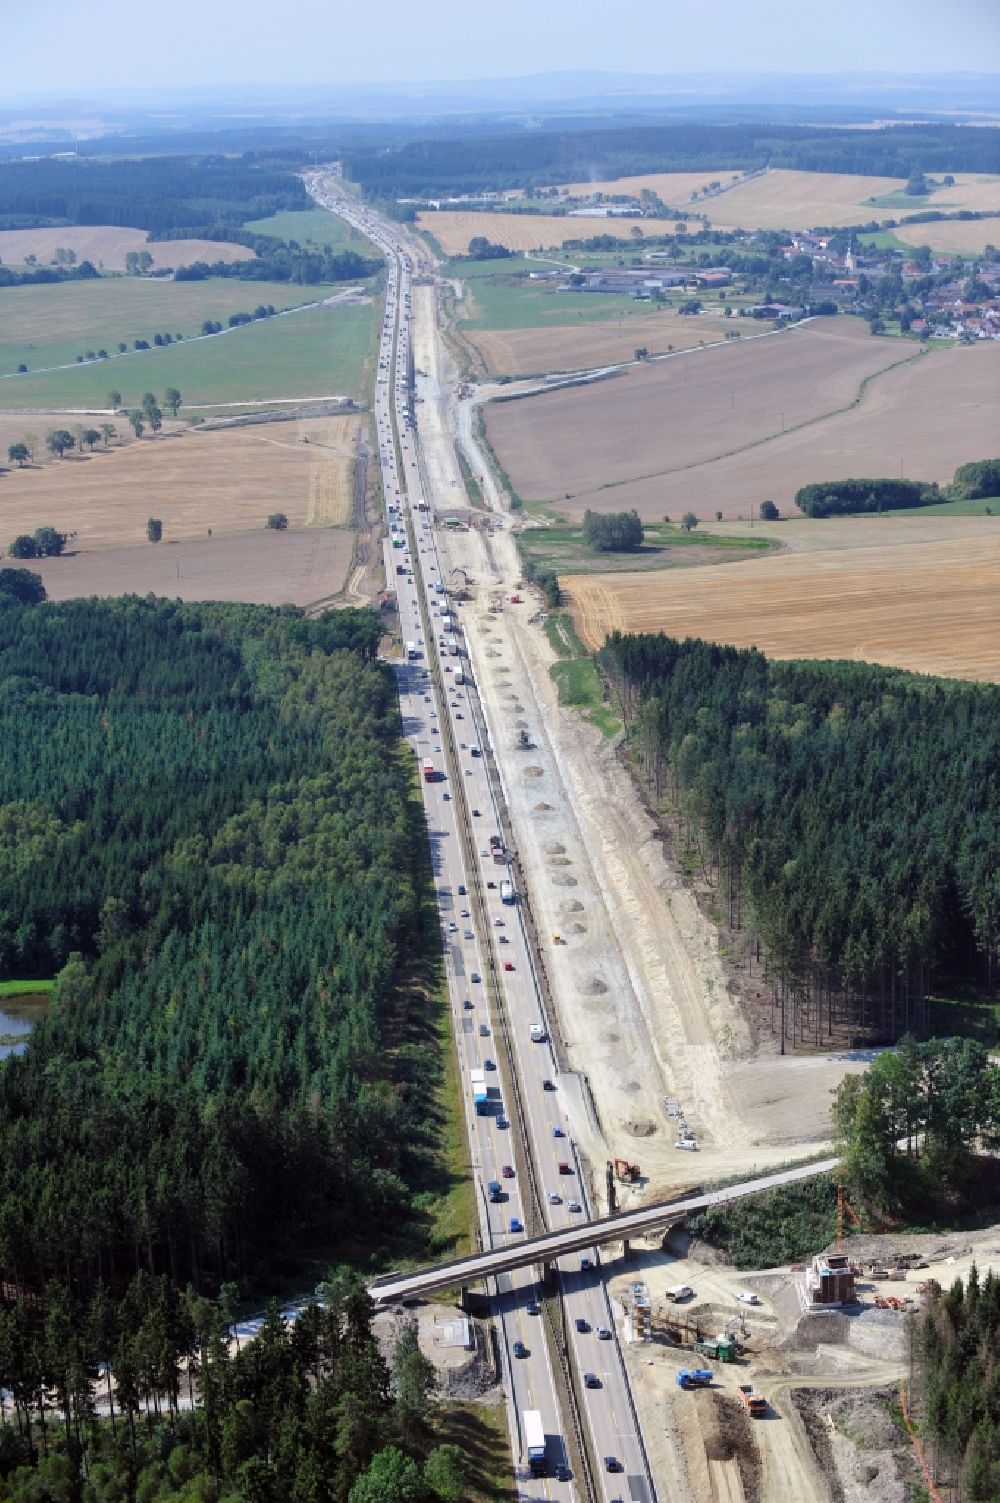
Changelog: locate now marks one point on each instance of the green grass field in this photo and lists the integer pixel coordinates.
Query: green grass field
(25, 988)
(316, 352)
(52, 324)
(507, 302)
(501, 295)
(312, 227)
(666, 546)
(986, 506)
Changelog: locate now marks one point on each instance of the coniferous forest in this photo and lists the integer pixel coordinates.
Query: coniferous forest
(958, 1390)
(847, 816)
(207, 834)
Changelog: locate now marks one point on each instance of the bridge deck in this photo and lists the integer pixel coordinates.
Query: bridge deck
(551, 1245)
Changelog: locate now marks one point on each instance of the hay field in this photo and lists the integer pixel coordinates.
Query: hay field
(106, 244)
(675, 188)
(525, 232)
(524, 352)
(596, 445)
(227, 480)
(960, 237)
(899, 596)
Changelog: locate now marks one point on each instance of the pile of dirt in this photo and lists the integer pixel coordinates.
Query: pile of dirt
(560, 861)
(563, 879)
(640, 1129)
(534, 772)
(543, 808)
(554, 848)
(592, 987)
(727, 1433)
(865, 1455)
(571, 905)
(576, 928)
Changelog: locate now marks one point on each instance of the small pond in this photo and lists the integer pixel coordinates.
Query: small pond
(18, 1015)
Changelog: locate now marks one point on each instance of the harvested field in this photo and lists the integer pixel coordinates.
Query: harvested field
(962, 237)
(228, 481)
(525, 352)
(675, 188)
(106, 244)
(595, 445)
(895, 598)
(332, 447)
(453, 229)
(262, 568)
(786, 199)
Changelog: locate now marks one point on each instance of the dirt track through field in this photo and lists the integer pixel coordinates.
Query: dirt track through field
(931, 606)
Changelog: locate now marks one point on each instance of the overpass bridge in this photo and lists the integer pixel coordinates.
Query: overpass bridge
(578, 1239)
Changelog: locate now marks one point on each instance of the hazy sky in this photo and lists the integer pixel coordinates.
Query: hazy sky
(64, 46)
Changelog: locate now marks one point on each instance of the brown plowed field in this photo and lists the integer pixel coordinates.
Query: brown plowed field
(647, 439)
(661, 418)
(898, 596)
(105, 245)
(263, 568)
(527, 352)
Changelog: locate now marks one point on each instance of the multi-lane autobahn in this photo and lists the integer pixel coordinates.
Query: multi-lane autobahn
(559, 1352)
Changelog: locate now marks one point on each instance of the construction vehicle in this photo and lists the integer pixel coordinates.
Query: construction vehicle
(721, 1349)
(627, 1173)
(844, 1205)
(557, 939)
(753, 1402)
(695, 1377)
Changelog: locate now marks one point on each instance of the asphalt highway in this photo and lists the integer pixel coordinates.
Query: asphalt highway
(494, 998)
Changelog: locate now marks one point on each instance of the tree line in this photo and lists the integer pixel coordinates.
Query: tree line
(279, 262)
(155, 193)
(956, 1386)
(148, 1396)
(439, 166)
(845, 813)
(832, 498)
(206, 836)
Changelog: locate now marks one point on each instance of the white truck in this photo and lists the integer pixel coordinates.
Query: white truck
(459, 677)
(534, 1441)
(412, 651)
(537, 1033)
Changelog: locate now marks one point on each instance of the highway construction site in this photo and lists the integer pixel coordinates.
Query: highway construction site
(663, 1072)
